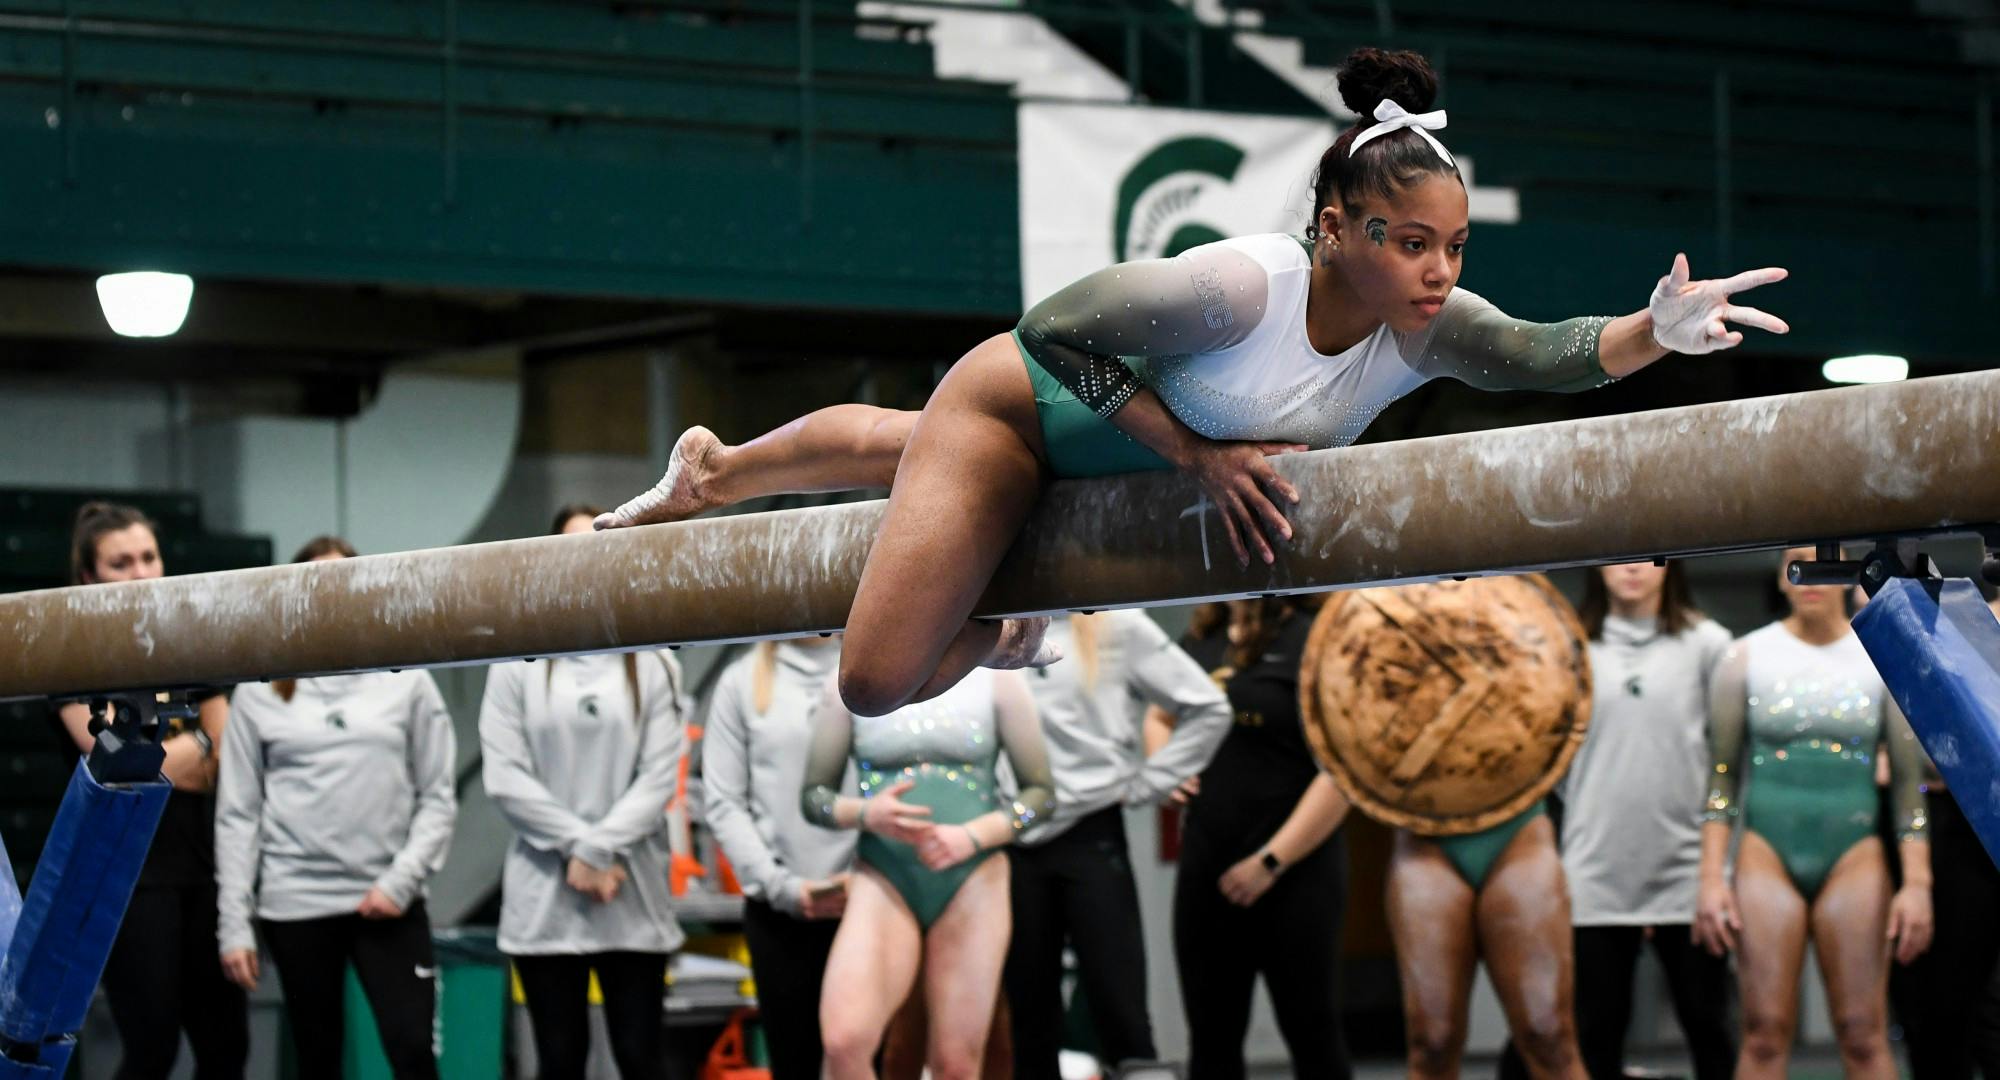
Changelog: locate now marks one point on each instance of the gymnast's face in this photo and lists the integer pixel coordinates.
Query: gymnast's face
(1808, 600)
(1635, 582)
(128, 554)
(577, 523)
(1402, 256)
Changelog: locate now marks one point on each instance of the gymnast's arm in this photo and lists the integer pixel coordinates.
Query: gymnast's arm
(1912, 919)
(1474, 342)
(1202, 300)
(1716, 919)
(826, 763)
(509, 768)
(1480, 345)
(1906, 795)
(1019, 727)
(1728, 731)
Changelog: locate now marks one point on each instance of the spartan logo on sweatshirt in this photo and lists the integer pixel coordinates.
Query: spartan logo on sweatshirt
(1633, 688)
(588, 706)
(336, 721)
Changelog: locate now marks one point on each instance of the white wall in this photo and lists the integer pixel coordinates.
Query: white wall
(420, 467)
(110, 435)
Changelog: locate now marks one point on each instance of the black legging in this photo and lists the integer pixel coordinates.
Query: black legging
(1291, 936)
(788, 958)
(1939, 997)
(1077, 889)
(557, 990)
(164, 976)
(393, 960)
(1607, 957)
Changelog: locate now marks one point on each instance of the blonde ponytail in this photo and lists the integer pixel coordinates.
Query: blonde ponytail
(1085, 630)
(763, 675)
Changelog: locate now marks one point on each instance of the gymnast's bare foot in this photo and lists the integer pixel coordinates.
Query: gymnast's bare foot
(682, 493)
(1022, 645)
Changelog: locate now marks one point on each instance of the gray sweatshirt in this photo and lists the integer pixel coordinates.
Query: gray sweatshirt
(752, 767)
(579, 773)
(1095, 733)
(1631, 843)
(347, 785)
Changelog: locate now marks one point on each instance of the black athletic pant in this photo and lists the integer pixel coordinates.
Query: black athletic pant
(558, 988)
(1607, 958)
(393, 961)
(1290, 936)
(1077, 888)
(1939, 997)
(163, 977)
(788, 958)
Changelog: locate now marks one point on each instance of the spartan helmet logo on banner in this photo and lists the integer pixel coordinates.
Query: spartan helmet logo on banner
(1162, 199)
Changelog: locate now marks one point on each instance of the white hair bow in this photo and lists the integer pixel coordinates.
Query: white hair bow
(1394, 118)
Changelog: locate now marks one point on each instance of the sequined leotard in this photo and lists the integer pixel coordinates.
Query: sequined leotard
(1815, 716)
(1219, 332)
(948, 746)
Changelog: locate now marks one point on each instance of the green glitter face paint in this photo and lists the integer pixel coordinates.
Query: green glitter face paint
(1377, 230)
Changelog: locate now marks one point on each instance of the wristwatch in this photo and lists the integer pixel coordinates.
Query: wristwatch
(1271, 863)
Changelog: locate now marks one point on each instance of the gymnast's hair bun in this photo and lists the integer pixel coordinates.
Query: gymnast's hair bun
(1368, 75)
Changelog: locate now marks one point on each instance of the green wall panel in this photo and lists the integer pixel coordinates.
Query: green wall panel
(261, 152)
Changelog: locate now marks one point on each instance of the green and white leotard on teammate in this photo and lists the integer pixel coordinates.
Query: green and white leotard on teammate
(1800, 725)
(1219, 333)
(947, 747)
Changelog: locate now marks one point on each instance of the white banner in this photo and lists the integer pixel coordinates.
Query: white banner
(1110, 183)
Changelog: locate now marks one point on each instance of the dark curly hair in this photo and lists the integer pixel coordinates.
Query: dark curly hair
(1387, 164)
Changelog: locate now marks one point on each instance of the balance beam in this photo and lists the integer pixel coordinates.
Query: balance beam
(1910, 458)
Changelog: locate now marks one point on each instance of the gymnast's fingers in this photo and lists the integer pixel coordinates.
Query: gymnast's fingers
(1246, 521)
(1750, 316)
(1679, 275)
(1750, 279)
(1271, 479)
(1274, 519)
(1228, 516)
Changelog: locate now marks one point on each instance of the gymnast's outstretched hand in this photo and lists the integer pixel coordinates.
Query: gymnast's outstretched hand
(1691, 316)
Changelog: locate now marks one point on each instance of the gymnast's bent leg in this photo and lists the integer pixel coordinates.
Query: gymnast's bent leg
(967, 482)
